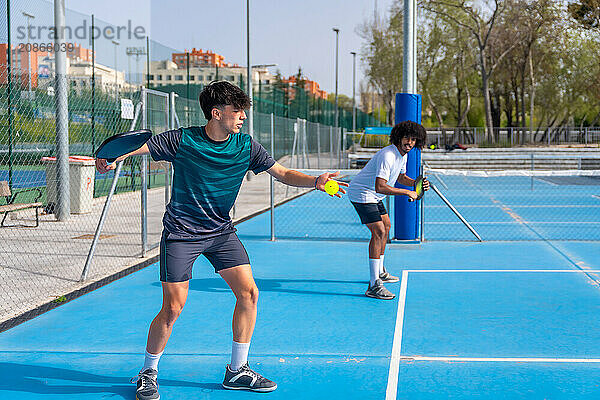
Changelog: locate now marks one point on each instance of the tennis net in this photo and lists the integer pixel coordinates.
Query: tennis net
(517, 205)
(514, 205)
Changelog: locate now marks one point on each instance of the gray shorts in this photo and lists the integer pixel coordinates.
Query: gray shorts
(177, 255)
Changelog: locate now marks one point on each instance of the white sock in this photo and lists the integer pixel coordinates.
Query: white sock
(239, 354)
(151, 361)
(381, 264)
(374, 270)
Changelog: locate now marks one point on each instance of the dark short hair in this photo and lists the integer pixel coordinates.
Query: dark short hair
(220, 94)
(408, 129)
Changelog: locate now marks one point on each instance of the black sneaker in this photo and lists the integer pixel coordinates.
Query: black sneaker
(387, 277)
(378, 291)
(147, 388)
(246, 379)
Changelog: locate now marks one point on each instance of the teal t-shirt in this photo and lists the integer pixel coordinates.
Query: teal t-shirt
(207, 177)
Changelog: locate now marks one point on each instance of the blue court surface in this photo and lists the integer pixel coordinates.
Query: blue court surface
(492, 320)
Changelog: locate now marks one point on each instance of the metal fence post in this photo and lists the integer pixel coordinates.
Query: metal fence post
(143, 177)
(302, 149)
(107, 202)
(532, 168)
(331, 147)
(271, 179)
(339, 142)
(318, 146)
(344, 154)
(63, 192)
(169, 169)
(305, 148)
(294, 144)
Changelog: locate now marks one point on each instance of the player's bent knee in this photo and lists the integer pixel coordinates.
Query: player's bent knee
(379, 233)
(171, 313)
(249, 295)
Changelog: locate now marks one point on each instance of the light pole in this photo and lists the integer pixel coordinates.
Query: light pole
(116, 81)
(409, 78)
(353, 91)
(337, 34)
(137, 52)
(250, 112)
(187, 85)
(29, 18)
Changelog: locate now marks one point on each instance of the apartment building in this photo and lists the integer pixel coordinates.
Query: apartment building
(311, 87)
(200, 58)
(167, 72)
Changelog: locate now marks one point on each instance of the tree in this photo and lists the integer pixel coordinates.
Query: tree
(382, 54)
(532, 22)
(480, 20)
(344, 101)
(587, 13)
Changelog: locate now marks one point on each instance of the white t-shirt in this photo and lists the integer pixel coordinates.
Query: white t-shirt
(388, 164)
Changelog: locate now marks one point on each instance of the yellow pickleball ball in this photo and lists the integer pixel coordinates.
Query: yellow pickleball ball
(332, 187)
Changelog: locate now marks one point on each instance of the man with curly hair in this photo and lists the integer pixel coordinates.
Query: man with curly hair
(368, 189)
(209, 164)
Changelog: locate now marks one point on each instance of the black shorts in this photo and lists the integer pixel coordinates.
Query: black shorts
(177, 254)
(370, 212)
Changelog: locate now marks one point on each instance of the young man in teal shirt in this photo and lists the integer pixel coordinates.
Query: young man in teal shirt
(209, 165)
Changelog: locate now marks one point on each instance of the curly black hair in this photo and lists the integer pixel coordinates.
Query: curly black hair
(220, 94)
(408, 129)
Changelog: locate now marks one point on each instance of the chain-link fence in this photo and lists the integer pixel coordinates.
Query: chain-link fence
(44, 256)
(290, 102)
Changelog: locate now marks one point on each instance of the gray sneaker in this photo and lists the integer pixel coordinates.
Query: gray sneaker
(246, 379)
(147, 388)
(387, 277)
(378, 291)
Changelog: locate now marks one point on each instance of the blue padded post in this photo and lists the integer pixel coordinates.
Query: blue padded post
(406, 216)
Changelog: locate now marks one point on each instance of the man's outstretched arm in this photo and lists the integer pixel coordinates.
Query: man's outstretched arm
(296, 178)
(103, 166)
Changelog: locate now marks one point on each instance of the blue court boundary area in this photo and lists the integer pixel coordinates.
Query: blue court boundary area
(319, 337)
(333, 342)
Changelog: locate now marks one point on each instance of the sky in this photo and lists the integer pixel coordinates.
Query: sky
(288, 33)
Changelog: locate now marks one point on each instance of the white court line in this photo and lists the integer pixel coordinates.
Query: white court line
(515, 222)
(392, 385)
(521, 206)
(502, 270)
(503, 359)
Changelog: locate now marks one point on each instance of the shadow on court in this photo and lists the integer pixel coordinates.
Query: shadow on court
(50, 380)
(217, 285)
